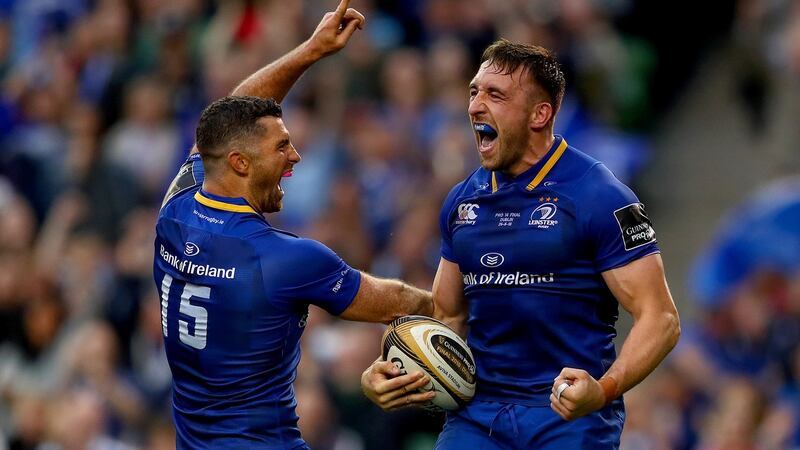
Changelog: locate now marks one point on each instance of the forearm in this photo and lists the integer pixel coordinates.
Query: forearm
(405, 300)
(651, 338)
(276, 79)
(416, 301)
(383, 300)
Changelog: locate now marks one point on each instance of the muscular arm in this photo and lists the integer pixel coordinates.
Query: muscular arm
(641, 288)
(382, 300)
(449, 304)
(276, 78)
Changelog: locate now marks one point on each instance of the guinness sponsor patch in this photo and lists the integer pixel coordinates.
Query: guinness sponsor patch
(635, 226)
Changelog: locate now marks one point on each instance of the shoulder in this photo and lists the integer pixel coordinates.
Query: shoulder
(291, 251)
(477, 183)
(613, 215)
(177, 204)
(602, 187)
(574, 165)
(188, 179)
(588, 180)
(291, 262)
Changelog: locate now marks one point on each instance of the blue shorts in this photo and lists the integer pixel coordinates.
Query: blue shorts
(492, 425)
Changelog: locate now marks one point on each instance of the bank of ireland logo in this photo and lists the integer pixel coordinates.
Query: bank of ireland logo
(492, 260)
(467, 213)
(190, 249)
(542, 216)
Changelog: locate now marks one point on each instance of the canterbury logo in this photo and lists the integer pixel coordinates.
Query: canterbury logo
(466, 211)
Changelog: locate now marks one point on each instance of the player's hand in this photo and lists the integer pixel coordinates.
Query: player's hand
(383, 384)
(583, 396)
(335, 29)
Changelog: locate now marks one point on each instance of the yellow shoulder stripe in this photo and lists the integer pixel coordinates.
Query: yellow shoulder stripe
(494, 183)
(222, 205)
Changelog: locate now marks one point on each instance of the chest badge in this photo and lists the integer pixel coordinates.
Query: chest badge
(543, 215)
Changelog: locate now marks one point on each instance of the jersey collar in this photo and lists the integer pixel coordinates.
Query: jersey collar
(232, 204)
(536, 174)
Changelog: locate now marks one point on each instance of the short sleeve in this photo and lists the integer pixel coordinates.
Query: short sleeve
(307, 271)
(444, 223)
(615, 221)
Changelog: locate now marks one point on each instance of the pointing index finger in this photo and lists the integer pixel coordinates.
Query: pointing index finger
(340, 10)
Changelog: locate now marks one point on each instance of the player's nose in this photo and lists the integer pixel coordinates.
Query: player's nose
(476, 106)
(294, 156)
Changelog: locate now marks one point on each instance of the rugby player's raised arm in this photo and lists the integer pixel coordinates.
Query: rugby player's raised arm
(383, 300)
(641, 288)
(449, 304)
(276, 78)
(330, 36)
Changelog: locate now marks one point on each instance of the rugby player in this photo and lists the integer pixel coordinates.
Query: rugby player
(539, 247)
(234, 290)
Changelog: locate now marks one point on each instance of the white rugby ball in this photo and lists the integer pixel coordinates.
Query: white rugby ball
(419, 343)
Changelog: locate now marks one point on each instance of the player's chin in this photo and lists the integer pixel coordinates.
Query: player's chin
(276, 205)
(490, 163)
(274, 202)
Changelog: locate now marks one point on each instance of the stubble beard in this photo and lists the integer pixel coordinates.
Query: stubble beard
(506, 156)
(274, 200)
(268, 195)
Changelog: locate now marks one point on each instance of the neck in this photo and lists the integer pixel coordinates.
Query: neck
(538, 146)
(226, 187)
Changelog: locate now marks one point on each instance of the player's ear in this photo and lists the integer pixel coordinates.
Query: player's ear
(540, 116)
(239, 162)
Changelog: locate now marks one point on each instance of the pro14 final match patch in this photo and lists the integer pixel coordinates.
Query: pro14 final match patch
(635, 226)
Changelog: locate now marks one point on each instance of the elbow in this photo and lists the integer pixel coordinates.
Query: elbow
(673, 331)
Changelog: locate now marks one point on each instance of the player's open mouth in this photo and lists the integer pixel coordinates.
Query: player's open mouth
(286, 174)
(486, 136)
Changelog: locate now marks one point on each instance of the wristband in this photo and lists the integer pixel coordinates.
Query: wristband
(610, 389)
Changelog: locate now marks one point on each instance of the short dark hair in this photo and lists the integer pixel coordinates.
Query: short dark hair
(538, 61)
(230, 120)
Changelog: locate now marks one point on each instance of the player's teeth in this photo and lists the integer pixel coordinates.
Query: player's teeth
(486, 140)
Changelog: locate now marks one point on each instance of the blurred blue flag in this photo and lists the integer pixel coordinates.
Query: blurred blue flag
(761, 234)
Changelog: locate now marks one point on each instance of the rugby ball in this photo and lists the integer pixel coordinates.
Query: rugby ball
(419, 343)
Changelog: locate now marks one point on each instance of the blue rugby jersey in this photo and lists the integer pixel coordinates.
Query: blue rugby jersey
(531, 251)
(234, 301)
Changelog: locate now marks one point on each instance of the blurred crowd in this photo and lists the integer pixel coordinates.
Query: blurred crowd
(98, 104)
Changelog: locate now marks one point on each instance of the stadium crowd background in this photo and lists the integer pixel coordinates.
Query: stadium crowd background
(98, 104)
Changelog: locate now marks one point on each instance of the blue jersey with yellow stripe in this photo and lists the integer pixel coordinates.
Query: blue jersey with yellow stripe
(531, 250)
(234, 301)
